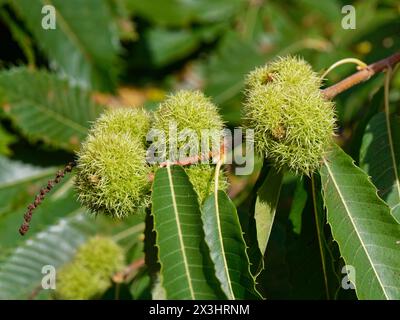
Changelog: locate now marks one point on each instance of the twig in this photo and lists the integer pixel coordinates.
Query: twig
(35, 292)
(127, 273)
(188, 160)
(39, 198)
(361, 76)
(360, 65)
(197, 158)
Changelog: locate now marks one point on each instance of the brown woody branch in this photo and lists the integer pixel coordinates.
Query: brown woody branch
(128, 272)
(189, 160)
(361, 76)
(197, 158)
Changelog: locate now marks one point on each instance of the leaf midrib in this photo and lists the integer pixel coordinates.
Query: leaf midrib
(354, 226)
(56, 116)
(228, 278)
(185, 261)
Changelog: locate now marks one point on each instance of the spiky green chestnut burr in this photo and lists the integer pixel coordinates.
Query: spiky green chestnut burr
(293, 123)
(112, 173)
(135, 121)
(194, 111)
(188, 110)
(101, 253)
(202, 177)
(74, 282)
(89, 274)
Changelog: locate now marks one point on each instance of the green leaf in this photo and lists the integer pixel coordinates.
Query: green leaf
(57, 204)
(227, 247)
(267, 201)
(363, 227)
(84, 44)
(380, 158)
(141, 286)
(330, 261)
(19, 182)
(370, 109)
(45, 107)
(57, 227)
(182, 13)
(185, 269)
(299, 202)
(293, 268)
(21, 273)
(212, 11)
(170, 45)
(5, 140)
(246, 212)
